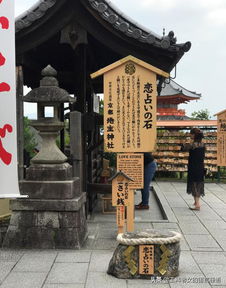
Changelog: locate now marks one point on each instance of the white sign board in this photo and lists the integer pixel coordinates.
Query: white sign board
(8, 139)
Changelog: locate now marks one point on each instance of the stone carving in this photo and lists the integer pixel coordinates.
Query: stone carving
(125, 261)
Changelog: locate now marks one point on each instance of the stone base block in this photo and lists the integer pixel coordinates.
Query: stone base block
(48, 204)
(35, 227)
(47, 172)
(67, 189)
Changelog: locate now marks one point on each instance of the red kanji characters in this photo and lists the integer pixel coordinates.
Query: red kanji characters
(5, 156)
(4, 87)
(2, 59)
(4, 22)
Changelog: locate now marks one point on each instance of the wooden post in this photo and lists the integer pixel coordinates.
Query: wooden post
(20, 120)
(130, 212)
(76, 144)
(218, 174)
(120, 218)
(62, 133)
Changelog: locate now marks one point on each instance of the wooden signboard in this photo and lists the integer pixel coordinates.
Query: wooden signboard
(221, 138)
(122, 197)
(132, 164)
(129, 105)
(120, 191)
(146, 259)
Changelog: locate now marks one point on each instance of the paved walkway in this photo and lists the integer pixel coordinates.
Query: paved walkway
(202, 261)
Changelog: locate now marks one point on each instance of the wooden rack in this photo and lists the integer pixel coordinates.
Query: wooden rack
(170, 158)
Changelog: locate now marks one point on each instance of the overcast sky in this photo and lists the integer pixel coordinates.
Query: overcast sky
(203, 22)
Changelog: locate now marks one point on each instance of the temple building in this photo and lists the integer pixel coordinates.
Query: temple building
(78, 38)
(171, 95)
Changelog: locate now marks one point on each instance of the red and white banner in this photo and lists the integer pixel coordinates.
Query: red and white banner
(8, 138)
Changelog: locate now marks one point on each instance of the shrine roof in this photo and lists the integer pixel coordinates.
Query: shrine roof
(94, 31)
(174, 89)
(219, 113)
(110, 14)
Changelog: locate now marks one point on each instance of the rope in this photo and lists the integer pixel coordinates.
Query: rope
(149, 240)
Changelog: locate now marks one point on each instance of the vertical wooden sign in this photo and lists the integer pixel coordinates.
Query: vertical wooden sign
(221, 138)
(120, 191)
(132, 164)
(130, 92)
(146, 259)
(129, 105)
(121, 197)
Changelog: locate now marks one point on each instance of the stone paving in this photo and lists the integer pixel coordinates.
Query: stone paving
(202, 260)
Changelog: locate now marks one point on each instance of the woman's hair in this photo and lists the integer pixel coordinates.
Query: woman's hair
(198, 134)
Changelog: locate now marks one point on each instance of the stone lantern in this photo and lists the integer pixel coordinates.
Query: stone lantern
(48, 97)
(54, 214)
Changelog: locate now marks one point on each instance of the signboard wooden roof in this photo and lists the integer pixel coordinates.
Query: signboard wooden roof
(126, 59)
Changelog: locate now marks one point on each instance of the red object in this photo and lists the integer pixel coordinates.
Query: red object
(5, 156)
(4, 87)
(0, 1)
(2, 59)
(4, 22)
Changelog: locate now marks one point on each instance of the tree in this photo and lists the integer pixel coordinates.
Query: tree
(203, 114)
(29, 138)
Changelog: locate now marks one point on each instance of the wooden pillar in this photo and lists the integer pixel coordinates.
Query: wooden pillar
(20, 124)
(62, 133)
(76, 145)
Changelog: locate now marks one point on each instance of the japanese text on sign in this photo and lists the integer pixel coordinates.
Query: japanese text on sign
(221, 139)
(129, 109)
(120, 190)
(132, 164)
(146, 259)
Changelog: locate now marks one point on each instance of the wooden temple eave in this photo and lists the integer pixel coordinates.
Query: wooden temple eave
(176, 99)
(105, 24)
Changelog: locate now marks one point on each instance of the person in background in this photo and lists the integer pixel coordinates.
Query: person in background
(149, 172)
(195, 178)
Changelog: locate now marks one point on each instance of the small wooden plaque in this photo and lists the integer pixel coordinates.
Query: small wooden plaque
(120, 192)
(132, 164)
(146, 259)
(221, 138)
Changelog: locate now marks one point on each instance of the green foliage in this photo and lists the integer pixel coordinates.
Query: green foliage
(29, 138)
(66, 138)
(101, 107)
(203, 114)
(111, 156)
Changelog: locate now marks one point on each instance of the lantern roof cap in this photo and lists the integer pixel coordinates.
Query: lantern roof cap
(49, 90)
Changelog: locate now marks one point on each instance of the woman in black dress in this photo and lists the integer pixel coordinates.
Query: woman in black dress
(195, 180)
